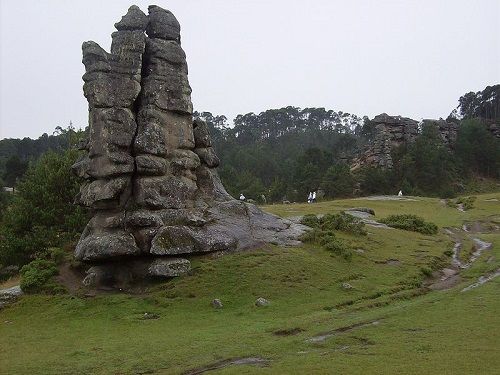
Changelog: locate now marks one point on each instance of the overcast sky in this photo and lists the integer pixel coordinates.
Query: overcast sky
(410, 58)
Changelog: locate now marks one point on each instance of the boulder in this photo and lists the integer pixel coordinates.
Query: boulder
(163, 24)
(261, 302)
(169, 267)
(217, 304)
(135, 19)
(104, 246)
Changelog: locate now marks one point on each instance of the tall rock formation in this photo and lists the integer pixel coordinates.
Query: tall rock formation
(388, 132)
(150, 170)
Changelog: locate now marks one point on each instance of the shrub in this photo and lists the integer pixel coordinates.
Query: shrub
(310, 220)
(466, 202)
(340, 221)
(338, 247)
(36, 275)
(426, 271)
(324, 235)
(411, 223)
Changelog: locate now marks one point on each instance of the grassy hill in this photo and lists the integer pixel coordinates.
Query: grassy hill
(389, 322)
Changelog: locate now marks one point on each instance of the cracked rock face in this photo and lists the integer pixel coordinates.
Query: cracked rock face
(390, 132)
(150, 170)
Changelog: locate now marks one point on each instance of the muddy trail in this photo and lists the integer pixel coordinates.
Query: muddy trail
(449, 277)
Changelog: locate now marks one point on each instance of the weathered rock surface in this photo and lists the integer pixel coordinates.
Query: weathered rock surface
(260, 302)
(150, 170)
(388, 132)
(9, 295)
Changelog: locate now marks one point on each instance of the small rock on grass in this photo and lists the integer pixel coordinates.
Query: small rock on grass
(261, 302)
(347, 286)
(217, 304)
(148, 316)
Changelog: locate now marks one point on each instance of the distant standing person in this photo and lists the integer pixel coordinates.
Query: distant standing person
(400, 194)
(314, 197)
(242, 197)
(310, 197)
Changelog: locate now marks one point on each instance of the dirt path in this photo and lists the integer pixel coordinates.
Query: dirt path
(326, 335)
(483, 279)
(450, 276)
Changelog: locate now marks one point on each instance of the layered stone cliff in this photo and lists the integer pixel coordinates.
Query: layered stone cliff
(150, 170)
(390, 132)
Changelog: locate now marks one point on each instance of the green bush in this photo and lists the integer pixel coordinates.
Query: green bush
(341, 221)
(411, 223)
(323, 233)
(36, 276)
(338, 247)
(466, 202)
(310, 220)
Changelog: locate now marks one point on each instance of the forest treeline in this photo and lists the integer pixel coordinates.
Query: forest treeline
(282, 154)
(279, 154)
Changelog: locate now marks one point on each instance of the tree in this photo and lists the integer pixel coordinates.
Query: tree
(42, 213)
(477, 150)
(429, 164)
(338, 181)
(14, 170)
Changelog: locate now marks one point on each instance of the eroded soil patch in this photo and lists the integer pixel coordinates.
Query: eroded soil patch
(326, 335)
(253, 361)
(288, 332)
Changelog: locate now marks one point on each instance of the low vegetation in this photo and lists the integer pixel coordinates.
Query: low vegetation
(36, 275)
(323, 228)
(412, 330)
(410, 222)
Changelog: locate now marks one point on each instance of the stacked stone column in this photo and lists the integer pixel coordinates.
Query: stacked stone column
(150, 171)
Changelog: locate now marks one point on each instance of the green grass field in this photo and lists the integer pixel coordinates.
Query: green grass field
(397, 327)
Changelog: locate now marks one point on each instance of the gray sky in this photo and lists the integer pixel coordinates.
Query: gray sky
(410, 58)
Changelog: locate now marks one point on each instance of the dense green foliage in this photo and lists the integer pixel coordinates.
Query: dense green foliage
(16, 153)
(42, 213)
(284, 154)
(37, 274)
(410, 222)
(323, 234)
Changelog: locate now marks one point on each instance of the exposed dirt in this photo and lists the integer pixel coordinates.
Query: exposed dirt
(288, 332)
(389, 262)
(326, 335)
(70, 278)
(13, 281)
(481, 227)
(483, 279)
(253, 361)
(449, 277)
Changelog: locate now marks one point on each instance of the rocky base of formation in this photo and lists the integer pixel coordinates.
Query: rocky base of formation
(150, 169)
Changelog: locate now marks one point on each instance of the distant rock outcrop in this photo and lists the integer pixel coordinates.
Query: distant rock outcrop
(150, 170)
(388, 132)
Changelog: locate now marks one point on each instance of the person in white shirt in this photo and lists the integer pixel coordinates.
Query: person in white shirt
(400, 194)
(242, 197)
(310, 197)
(314, 196)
